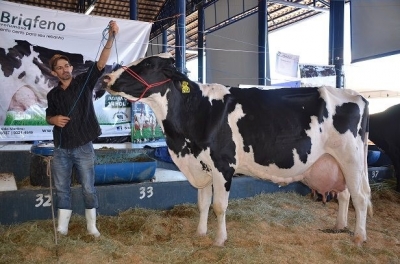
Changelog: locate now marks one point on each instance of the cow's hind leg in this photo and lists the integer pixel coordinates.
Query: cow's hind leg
(204, 196)
(360, 194)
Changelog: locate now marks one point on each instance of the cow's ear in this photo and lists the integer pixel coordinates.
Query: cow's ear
(171, 72)
(184, 81)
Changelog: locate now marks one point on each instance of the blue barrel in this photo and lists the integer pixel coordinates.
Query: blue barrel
(39, 164)
(113, 167)
(43, 149)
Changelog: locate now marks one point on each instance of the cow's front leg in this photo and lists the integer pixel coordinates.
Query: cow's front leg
(220, 204)
(204, 196)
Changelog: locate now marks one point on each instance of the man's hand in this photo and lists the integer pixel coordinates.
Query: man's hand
(59, 120)
(105, 53)
(113, 28)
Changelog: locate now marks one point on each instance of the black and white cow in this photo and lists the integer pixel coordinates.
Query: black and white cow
(385, 133)
(214, 132)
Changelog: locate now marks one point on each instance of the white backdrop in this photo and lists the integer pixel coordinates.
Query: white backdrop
(29, 36)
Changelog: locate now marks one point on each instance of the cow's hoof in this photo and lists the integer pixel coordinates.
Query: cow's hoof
(201, 231)
(358, 240)
(337, 231)
(219, 243)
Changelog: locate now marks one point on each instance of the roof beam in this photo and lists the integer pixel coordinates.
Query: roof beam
(323, 2)
(287, 3)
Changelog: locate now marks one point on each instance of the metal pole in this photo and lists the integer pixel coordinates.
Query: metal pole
(133, 11)
(180, 36)
(336, 39)
(164, 41)
(264, 77)
(200, 43)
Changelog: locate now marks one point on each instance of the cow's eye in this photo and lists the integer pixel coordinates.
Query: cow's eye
(147, 64)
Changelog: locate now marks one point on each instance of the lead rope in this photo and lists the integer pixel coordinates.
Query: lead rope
(48, 173)
(140, 79)
(49, 158)
(104, 37)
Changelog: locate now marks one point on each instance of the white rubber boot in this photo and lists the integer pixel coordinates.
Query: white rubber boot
(91, 222)
(63, 220)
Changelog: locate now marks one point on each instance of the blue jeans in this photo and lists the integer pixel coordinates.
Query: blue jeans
(61, 170)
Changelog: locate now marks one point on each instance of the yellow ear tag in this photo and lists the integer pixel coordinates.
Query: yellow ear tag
(185, 87)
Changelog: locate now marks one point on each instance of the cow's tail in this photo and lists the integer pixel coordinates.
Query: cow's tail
(366, 186)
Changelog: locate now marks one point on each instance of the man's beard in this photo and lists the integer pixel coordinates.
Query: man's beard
(66, 76)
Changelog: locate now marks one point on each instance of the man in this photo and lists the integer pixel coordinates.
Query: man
(70, 110)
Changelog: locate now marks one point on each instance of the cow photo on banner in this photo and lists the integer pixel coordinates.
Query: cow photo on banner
(317, 75)
(145, 127)
(29, 37)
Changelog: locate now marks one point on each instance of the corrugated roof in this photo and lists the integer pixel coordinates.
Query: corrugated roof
(162, 13)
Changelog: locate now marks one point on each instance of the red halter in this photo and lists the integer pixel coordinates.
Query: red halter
(140, 79)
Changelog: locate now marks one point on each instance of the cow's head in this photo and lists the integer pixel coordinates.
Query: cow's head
(143, 77)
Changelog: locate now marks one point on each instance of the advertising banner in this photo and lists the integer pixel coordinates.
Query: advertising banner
(145, 127)
(29, 37)
(287, 64)
(317, 75)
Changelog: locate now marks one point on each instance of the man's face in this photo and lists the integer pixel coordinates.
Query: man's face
(63, 70)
